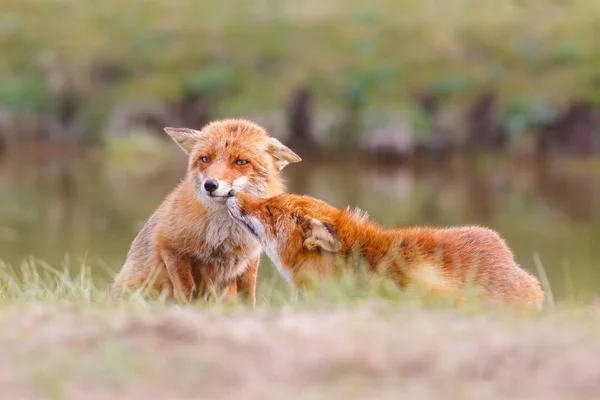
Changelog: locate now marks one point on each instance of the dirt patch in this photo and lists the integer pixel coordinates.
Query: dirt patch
(367, 352)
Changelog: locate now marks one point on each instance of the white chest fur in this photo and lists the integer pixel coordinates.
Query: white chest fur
(227, 247)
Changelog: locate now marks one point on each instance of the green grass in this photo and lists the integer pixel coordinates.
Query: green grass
(34, 281)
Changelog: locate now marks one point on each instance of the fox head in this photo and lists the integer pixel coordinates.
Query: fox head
(231, 154)
(289, 227)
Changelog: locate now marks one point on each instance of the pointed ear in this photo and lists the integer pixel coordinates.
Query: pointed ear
(184, 137)
(282, 154)
(321, 235)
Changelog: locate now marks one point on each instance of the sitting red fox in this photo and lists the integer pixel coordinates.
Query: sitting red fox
(301, 234)
(190, 245)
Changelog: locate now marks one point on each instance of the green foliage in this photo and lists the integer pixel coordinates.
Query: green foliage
(161, 42)
(215, 81)
(447, 86)
(421, 123)
(25, 93)
(523, 115)
(249, 56)
(93, 117)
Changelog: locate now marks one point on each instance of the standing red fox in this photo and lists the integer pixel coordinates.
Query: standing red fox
(303, 236)
(190, 245)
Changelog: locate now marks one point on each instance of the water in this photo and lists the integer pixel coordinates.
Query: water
(63, 208)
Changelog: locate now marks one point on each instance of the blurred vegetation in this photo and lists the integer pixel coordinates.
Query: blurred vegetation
(243, 56)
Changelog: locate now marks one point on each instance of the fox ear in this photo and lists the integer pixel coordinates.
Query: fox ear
(321, 235)
(282, 154)
(184, 137)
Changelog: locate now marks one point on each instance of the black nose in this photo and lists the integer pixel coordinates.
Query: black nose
(231, 193)
(211, 185)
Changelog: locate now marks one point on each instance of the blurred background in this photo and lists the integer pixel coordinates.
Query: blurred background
(418, 111)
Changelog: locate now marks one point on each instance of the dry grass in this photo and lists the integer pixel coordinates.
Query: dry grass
(371, 351)
(63, 339)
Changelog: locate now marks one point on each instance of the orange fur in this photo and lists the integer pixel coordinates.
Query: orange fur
(303, 235)
(190, 245)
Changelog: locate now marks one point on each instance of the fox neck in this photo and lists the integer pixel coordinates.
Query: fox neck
(359, 237)
(363, 240)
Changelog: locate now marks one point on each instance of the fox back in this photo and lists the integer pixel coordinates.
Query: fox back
(302, 234)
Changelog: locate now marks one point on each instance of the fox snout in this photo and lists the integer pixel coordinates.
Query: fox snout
(214, 187)
(210, 185)
(217, 188)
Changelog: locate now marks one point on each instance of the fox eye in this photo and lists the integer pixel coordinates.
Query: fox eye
(205, 159)
(268, 209)
(241, 162)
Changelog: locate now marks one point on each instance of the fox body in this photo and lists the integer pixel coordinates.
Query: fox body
(190, 245)
(304, 236)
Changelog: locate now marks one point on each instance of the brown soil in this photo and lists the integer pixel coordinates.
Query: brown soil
(376, 352)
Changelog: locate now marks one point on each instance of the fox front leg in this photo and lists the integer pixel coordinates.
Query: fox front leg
(246, 283)
(180, 272)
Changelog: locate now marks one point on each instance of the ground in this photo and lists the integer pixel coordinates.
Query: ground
(367, 350)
